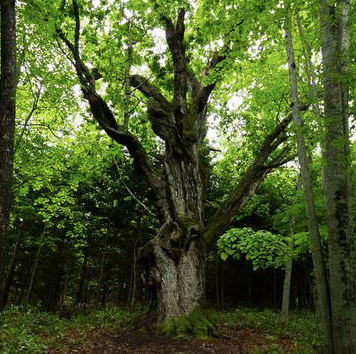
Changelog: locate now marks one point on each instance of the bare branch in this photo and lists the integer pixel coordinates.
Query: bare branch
(214, 61)
(131, 193)
(281, 159)
(36, 96)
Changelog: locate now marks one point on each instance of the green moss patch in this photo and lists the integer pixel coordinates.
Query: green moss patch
(196, 324)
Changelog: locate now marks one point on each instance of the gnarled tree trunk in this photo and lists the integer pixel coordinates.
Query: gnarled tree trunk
(174, 261)
(174, 275)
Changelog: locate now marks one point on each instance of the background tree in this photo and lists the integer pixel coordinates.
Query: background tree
(322, 297)
(7, 125)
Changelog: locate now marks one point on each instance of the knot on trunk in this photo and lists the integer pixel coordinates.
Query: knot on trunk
(170, 239)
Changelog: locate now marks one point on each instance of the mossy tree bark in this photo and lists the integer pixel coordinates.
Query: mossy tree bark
(7, 125)
(342, 263)
(174, 261)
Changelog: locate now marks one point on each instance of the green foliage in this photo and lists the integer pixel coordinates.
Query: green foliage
(263, 248)
(28, 331)
(196, 324)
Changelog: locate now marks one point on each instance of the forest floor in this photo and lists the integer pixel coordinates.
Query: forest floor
(232, 341)
(111, 330)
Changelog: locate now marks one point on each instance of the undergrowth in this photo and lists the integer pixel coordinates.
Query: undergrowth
(298, 328)
(29, 330)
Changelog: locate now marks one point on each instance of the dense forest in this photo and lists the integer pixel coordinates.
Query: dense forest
(165, 161)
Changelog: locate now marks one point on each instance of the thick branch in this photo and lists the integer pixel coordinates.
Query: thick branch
(249, 183)
(175, 40)
(158, 108)
(218, 57)
(204, 94)
(143, 85)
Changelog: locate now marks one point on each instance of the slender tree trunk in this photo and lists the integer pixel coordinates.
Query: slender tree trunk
(310, 71)
(11, 272)
(102, 269)
(63, 288)
(286, 288)
(288, 276)
(83, 272)
(249, 283)
(335, 51)
(133, 285)
(217, 282)
(34, 269)
(33, 276)
(7, 125)
(322, 294)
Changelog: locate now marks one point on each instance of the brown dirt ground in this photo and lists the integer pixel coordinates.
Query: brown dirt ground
(99, 341)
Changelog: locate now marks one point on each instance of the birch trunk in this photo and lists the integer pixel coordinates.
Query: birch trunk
(335, 52)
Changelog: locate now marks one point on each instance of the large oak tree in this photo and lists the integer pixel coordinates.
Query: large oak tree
(174, 260)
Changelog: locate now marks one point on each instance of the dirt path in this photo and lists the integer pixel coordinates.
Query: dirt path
(100, 341)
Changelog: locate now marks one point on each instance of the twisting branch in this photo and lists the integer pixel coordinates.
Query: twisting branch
(158, 108)
(104, 116)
